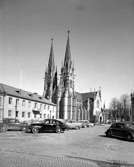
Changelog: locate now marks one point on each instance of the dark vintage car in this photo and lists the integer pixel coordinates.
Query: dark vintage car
(121, 130)
(13, 124)
(48, 125)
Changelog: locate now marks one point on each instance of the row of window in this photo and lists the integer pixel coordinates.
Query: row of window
(10, 101)
(24, 114)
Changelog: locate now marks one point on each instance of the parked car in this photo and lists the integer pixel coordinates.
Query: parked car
(86, 123)
(109, 121)
(121, 130)
(90, 124)
(48, 125)
(13, 124)
(72, 124)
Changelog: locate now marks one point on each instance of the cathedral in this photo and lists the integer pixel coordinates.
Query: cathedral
(70, 104)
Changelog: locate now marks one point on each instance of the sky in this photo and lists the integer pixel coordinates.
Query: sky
(101, 40)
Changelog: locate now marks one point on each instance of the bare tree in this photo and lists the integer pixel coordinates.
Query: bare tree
(114, 108)
(126, 105)
(120, 108)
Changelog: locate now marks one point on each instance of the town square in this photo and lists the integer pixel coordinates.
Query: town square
(84, 147)
(66, 83)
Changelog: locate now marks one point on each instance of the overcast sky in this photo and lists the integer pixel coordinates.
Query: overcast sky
(101, 39)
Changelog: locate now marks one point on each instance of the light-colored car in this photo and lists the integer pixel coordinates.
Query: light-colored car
(13, 124)
(90, 124)
(109, 121)
(86, 123)
(72, 124)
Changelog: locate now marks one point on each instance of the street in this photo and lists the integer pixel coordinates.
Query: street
(84, 147)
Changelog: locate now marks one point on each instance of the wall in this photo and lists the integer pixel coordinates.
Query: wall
(26, 107)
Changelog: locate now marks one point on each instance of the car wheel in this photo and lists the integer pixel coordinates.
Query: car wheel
(35, 130)
(58, 129)
(109, 133)
(129, 137)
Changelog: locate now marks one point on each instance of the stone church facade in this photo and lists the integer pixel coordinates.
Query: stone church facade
(70, 104)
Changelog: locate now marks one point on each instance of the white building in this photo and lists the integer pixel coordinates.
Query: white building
(23, 105)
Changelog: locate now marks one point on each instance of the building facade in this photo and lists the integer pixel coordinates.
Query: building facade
(23, 105)
(70, 104)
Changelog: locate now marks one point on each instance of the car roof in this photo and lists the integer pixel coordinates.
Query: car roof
(60, 120)
(121, 123)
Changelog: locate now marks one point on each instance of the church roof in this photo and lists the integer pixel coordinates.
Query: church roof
(90, 95)
(19, 93)
(85, 96)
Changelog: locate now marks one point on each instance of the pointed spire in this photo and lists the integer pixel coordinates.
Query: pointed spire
(55, 88)
(67, 60)
(55, 80)
(51, 63)
(49, 74)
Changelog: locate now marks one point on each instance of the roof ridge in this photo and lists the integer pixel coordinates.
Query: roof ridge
(10, 90)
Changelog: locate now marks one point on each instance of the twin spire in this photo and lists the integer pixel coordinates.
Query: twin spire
(51, 73)
(67, 59)
(51, 63)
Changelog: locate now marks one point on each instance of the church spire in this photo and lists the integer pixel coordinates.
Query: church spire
(49, 75)
(67, 60)
(51, 63)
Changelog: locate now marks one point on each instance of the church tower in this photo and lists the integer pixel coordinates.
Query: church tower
(49, 76)
(66, 85)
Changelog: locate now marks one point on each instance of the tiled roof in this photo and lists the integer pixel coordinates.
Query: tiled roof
(85, 96)
(12, 91)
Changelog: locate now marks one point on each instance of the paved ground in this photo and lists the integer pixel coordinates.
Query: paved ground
(87, 147)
